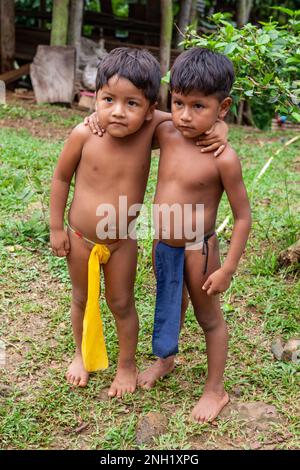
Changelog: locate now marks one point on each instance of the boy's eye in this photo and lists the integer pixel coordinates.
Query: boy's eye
(132, 103)
(198, 106)
(177, 103)
(108, 99)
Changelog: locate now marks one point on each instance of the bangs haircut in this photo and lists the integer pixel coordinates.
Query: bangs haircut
(136, 65)
(200, 69)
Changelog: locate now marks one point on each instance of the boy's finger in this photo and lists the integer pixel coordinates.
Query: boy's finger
(210, 130)
(67, 246)
(219, 151)
(209, 141)
(206, 284)
(86, 121)
(93, 127)
(210, 148)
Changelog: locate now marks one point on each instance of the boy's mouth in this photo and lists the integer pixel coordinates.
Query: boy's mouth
(115, 123)
(186, 128)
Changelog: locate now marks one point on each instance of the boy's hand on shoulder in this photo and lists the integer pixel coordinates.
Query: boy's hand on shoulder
(59, 241)
(94, 125)
(217, 282)
(214, 139)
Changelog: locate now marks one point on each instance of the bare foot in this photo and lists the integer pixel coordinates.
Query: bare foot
(159, 369)
(76, 374)
(209, 406)
(124, 382)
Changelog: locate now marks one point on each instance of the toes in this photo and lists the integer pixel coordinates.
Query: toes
(82, 383)
(76, 381)
(71, 379)
(112, 392)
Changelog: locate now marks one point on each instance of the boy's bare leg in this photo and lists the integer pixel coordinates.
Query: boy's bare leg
(78, 269)
(208, 313)
(119, 275)
(161, 367)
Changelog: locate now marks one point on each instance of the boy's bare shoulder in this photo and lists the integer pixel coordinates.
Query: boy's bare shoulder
(227, 159)
(160, 117)
(80, 133)
(165, 128)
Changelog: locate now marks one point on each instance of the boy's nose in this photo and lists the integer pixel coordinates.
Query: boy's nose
(118, 111)
(186, 117)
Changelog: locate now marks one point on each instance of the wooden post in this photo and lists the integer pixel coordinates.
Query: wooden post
(243, 12)
(7, 34)
(75, 26)
(166, 29)
(184, 19)
(60, 19)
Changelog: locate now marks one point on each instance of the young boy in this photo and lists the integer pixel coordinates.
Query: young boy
(201, 81)
(106, 169)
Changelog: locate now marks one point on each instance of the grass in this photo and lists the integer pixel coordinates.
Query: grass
(40, 411)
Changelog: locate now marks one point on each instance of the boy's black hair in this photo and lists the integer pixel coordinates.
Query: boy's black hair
(138, 66)
(202, 70)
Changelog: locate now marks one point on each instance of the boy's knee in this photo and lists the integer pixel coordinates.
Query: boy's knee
(120, 306)
(208, 321)
(79, 299)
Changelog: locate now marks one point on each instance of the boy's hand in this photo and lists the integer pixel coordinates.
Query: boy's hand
(92, 122)
(215, 138)
(217, 282)
(59, 241)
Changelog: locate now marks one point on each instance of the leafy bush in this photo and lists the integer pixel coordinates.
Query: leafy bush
(266, 60)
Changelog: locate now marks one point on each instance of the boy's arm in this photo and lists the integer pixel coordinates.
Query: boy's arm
(60, 186)
(158, 118)
(214, 139)
(231, 175)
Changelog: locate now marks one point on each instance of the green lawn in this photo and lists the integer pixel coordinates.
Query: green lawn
(38, 410)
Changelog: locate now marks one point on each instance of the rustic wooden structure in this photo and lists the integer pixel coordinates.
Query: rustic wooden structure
(53, 74)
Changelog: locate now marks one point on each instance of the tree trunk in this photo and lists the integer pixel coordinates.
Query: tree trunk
(240, 113)
(166, 30)
(75, 26)
(194, 14)
(184, 20)
(7, 34)
(60, 19)
(243, 12)
(291, 255)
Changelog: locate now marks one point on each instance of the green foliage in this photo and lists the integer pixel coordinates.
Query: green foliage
(120, 8)
(266, 60)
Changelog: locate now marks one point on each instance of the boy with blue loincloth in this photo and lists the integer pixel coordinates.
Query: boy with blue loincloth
(106, 170)
(201, 81)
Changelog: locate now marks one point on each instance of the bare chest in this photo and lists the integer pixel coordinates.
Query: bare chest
(101, 158)
(189, 168)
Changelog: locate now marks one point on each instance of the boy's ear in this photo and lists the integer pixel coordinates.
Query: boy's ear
(150, 112)
(224, 107)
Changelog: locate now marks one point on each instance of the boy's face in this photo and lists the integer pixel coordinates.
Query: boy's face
(122, 108)
(194, 113)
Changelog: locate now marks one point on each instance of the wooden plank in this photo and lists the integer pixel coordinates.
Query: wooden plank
(53, 74)
(15, 74)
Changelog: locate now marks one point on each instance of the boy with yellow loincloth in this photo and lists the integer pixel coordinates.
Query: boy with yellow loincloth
(105, 170)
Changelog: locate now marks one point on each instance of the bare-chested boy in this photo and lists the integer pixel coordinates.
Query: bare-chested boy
(201, 81)
(127, 86)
